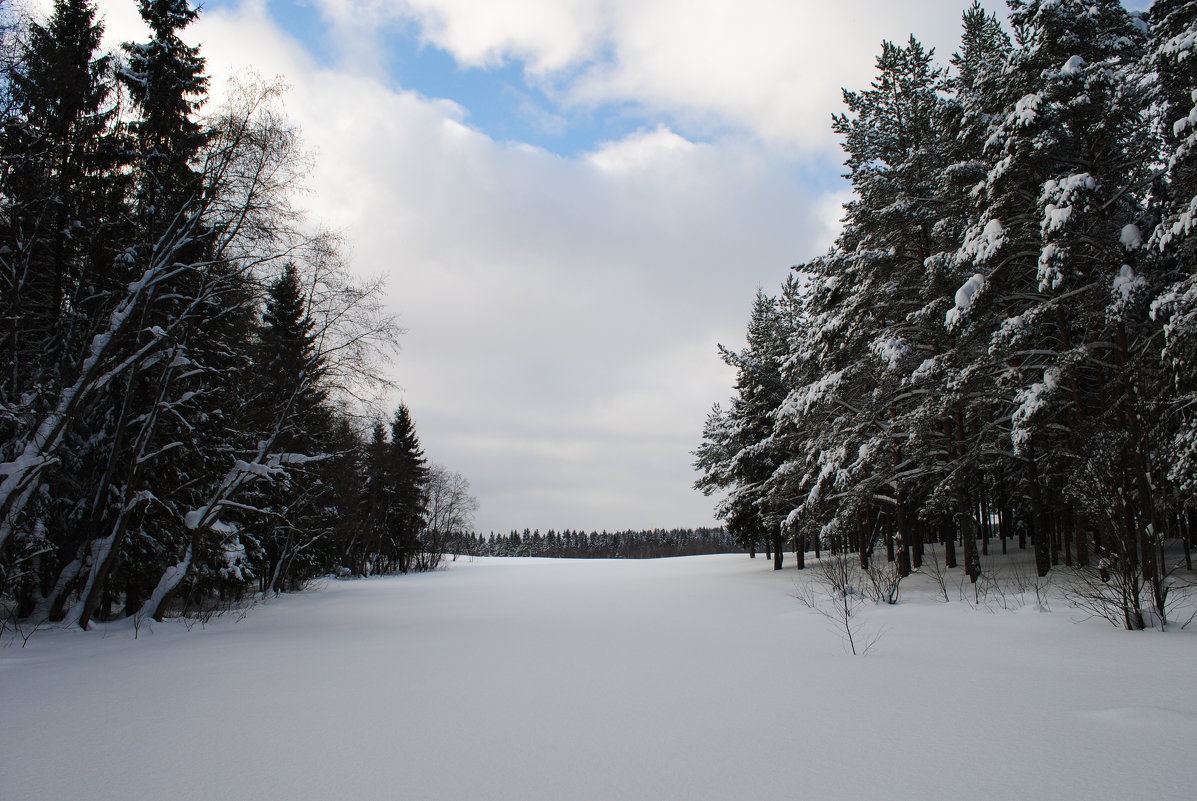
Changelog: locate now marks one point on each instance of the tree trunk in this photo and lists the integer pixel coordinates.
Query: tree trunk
(902, 546)
(53, 606)
(104, 554)
(984, 526)
(1054, 530)
(1004, 518)
(917, 546)
(890, 552)
(172, 577)
(134, 594)
(1038, 521)
(1186, 537)
(968, 534)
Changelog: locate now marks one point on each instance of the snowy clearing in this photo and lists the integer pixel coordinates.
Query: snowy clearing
(691, 678)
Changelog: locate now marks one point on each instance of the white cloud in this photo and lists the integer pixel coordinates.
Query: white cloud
(773, 68)
(122, 22)
(643, 151)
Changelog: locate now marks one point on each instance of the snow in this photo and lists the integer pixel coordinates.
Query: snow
(1073, 66)
(965, 294)
(1031, 401)
(1026, 109)
(533, 679)
(1048, 271)
(1181, 45)
(802, 399)
(982, 246)
(890, 350)
(964, 298)
(1055, 217)
(1182, 124)
(1131, 237)
(1125, 285)
(234, 557)
(1059, 197)
(254, 469)
(194, 517)
(1181, 226)
(1065, 188)
(924, 370)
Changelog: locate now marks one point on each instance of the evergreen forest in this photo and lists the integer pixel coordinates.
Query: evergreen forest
(1002, 343)
(187, 366)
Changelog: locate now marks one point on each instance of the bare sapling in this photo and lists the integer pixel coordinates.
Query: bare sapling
(834, 590)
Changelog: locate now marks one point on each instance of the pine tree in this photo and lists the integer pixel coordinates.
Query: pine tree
(738, 454)
(1048, 244)
(896, 160)
(948, 412)
(859, 324)
(1173, 58)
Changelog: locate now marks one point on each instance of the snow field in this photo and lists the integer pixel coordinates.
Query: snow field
(692, 678)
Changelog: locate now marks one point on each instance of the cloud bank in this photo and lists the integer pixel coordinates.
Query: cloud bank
(562, 312)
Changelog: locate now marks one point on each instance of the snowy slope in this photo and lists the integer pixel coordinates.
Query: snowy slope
(695, 678)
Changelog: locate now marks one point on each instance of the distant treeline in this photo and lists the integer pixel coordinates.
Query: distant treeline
(598, 545)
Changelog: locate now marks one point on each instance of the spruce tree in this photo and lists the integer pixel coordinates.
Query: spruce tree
(374, 553)
(59, 232)
(291, 402)
(408, 501)
(59, 175)
(165, 79)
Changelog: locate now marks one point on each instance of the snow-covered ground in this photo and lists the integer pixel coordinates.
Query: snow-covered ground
(694, 678)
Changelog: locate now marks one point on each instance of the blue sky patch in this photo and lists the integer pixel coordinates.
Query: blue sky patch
(499, 101)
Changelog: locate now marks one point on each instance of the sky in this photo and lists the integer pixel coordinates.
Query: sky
(572, 202)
